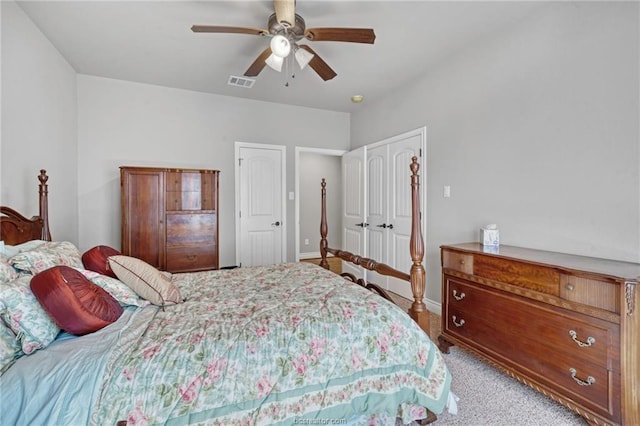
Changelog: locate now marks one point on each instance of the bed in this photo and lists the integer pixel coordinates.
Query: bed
(291, 343)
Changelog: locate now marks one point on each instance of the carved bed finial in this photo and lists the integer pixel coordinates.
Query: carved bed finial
(42, 177)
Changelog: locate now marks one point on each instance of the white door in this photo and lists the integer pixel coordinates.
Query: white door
(377, 210)
(389, 207)
(260, 208)
(353, 208)
(399, 209)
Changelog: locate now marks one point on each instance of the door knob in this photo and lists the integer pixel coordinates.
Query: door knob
(384, 225)
(390, 226)
(362, 224)
(276, 223)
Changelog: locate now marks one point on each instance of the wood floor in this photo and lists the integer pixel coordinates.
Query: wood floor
(335, 264)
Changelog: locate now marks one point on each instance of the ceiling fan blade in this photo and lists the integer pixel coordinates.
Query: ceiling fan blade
(258, 64)
(353, 35)
(319, 65)
(285, 11)
(230, 30)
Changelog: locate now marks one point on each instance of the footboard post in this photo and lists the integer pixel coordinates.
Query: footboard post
(418, 310)
(323, 225)
(43, 191)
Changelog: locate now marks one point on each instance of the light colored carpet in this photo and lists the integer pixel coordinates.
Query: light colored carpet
(489, 397)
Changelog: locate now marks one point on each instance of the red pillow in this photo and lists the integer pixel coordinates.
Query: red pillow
(73, 302)
(95, 260)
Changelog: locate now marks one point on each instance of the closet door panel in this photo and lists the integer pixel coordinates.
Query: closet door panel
(377, 210)
(353, 205)
(400, 154)
(376, 187)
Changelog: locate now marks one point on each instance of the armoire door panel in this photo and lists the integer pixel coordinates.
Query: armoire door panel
(143, 226)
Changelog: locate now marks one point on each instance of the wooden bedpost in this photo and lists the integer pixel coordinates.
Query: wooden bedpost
(323, 226)
(418, 310)
(44, 204)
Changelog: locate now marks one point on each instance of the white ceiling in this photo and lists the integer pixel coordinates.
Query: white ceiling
(151, 42)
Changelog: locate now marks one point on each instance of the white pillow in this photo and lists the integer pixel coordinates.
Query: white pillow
(145, 280)
(11, 251)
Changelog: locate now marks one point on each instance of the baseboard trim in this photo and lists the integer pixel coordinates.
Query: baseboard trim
(313, 255)
(433, 306)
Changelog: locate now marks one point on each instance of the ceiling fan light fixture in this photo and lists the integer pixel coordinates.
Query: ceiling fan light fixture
(275, 62)
(280, 46)
(303, 57)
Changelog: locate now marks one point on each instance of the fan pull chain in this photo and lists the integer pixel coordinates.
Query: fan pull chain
(288, 60)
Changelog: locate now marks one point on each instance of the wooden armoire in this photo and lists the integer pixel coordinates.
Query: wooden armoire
(170, 217)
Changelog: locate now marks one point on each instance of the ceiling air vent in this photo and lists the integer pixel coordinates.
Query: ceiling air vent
(241, 81)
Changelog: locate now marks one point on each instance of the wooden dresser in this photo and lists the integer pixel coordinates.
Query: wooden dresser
(170, 217)
(566, 325)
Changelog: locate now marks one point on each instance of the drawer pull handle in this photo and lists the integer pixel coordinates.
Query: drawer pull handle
(590, 380)
(455, 295)
(590, 340)
(462, 261)
(569, 287)
(191, 257)
(457, 324)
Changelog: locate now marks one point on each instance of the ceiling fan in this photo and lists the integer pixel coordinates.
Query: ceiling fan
(286, 28)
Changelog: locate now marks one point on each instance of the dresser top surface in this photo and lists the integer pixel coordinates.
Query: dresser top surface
(626, 270)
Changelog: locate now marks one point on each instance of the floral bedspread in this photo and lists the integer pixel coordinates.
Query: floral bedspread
(278, 344)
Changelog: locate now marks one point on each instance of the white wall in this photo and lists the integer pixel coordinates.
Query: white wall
(38, 124)
(123, 123)
(535, 129)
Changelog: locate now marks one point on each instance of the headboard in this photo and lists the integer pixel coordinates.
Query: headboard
(16, 228)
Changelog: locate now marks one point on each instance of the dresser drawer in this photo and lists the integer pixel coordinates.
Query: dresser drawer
(185, 259)
(536, 341)
(191, 229)
(521, 274)
(596, 293)
(460, 262)
(559, 330)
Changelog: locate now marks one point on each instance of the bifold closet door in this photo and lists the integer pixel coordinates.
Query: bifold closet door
(353, 208)
(389, 209)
